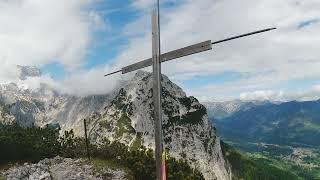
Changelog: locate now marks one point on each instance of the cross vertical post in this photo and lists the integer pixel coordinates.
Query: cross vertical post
(86, 138)
(156, 64)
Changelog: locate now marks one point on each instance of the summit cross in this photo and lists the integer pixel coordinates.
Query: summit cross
(155, 61)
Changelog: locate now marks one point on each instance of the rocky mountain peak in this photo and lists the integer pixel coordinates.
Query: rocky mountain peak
(143, 81)
(126, 115)
(28, 71)
(187, 133)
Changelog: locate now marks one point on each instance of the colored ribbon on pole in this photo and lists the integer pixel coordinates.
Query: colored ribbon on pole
(164, 164)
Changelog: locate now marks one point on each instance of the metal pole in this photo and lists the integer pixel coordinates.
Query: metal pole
(244, 35)
(157, 90)
(86, 138)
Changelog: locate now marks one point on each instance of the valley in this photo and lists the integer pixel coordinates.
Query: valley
(285, 135)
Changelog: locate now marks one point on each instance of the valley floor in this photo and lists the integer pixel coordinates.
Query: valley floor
(303, 163)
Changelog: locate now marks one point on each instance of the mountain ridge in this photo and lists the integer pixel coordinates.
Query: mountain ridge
(126, 115)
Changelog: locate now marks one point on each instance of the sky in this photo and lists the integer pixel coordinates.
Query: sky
(76, 42)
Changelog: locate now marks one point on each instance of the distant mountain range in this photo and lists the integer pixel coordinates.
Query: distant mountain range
(277, 134)
(288, 123)
(220, 110)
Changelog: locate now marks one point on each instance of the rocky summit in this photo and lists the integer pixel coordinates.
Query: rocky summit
(187, 133)
(126, 115)
(62, 169)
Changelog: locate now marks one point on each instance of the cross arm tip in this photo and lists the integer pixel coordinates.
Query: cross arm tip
(112, 73)
(272, 28)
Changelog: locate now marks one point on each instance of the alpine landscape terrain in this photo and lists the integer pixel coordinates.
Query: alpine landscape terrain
(159, 89)
(124, 118)
(282, 134)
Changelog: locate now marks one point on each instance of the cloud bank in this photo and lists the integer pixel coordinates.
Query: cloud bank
(264, 61)
(57, 31)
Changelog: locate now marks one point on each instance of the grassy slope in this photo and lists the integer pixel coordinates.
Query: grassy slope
(299, 171)
(272, 155)
(244, 167)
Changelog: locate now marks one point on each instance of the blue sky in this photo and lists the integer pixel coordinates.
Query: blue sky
(107, 42)
(76, 42)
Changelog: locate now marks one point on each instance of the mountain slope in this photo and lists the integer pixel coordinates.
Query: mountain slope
(186, 130)
(252, 168)
(46, 106)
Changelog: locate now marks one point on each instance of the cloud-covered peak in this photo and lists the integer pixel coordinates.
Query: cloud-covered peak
(28, 71)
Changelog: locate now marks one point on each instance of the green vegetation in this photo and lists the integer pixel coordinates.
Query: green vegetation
(124, 126)
(294, 124)
(100, 164)
(32, 144)
(300, 171)
(138, 142)
(106, 124)
(270, 154)
(186, 101)
(177, 169)
(244, 167)
(142, 163)
(194, 117)
(27, 144)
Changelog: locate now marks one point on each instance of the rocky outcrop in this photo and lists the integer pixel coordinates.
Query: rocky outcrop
(62, 169)
(187, 133)
(46, 106)
(28, 71)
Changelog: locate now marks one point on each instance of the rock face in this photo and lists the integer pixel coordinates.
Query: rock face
(46, 106)
(61, 169)
(28, 71)
(5, 116)
(186, 131)
(126, 115)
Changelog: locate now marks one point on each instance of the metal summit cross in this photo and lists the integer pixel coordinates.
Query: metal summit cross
(155, 61)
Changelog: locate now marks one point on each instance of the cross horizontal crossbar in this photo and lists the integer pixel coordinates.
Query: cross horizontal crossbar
(196, 48)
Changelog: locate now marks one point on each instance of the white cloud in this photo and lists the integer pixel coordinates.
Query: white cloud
(267, 60)
(143, 4)
(312, 93)
(86, 82)
(37, 32)
(46, 31)
(262, 95)
(40, 32)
